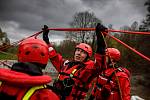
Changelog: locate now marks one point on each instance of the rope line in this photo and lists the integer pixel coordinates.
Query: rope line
(127, 46)
(93, 29)
(111, 60)
(17, 42)
(87, 29)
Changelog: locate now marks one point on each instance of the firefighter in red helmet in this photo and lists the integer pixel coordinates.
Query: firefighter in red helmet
(113, 53)
(25, 80)
(113, 82)
(74, 75)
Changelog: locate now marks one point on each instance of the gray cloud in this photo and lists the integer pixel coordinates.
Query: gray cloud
(31, 14)
(24, 17)
(118, 12)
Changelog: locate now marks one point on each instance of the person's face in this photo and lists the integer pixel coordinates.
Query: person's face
(80, 55)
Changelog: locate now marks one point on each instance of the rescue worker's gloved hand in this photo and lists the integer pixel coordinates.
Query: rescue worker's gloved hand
(100, 28)
(45, 29)
(101, 46)
(45, 34)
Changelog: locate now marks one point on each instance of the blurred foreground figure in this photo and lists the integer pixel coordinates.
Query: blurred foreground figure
(25, 80)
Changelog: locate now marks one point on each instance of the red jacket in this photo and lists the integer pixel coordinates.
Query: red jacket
(112, 86)
(82, 77)
(17, 84)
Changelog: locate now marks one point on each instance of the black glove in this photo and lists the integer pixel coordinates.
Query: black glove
(100, 28)
(45, 28)
(45, 34)
(100, 39)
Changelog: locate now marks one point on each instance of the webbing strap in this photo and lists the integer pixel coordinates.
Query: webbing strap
(73, 72)
(0, 83)
(71, 75)
(31, 91)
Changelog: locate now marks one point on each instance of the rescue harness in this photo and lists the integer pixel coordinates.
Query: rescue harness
(64, 87)
(107, 80)
(31, 83)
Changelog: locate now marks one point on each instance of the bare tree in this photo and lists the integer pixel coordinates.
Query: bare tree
(4, 38)
(83, 20)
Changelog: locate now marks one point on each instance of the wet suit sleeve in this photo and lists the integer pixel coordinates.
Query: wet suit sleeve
(101, 46)
(56, 58)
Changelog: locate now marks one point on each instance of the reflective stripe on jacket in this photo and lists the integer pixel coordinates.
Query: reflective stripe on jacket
(31, 91)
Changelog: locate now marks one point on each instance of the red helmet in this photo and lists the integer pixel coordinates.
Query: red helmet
(87, 48)
(33, 50)
(113, 53)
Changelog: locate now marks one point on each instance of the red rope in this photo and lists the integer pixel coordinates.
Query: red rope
(89, 29)
(4, 63)
(130, 32)
(72, 29)
(15, 43)
(93, 29)
(140, 54)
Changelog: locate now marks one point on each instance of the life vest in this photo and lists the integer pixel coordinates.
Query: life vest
(68, 80)
(64, 86)
(23, 79)
(12, 82)
(106, 80)
(27, 94)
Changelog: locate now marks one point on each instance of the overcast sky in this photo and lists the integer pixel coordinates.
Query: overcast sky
(21, 18)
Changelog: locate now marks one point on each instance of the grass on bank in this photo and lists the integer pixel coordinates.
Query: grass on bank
(4, 56)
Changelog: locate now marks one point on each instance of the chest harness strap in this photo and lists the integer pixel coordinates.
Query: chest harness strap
(30, 92)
